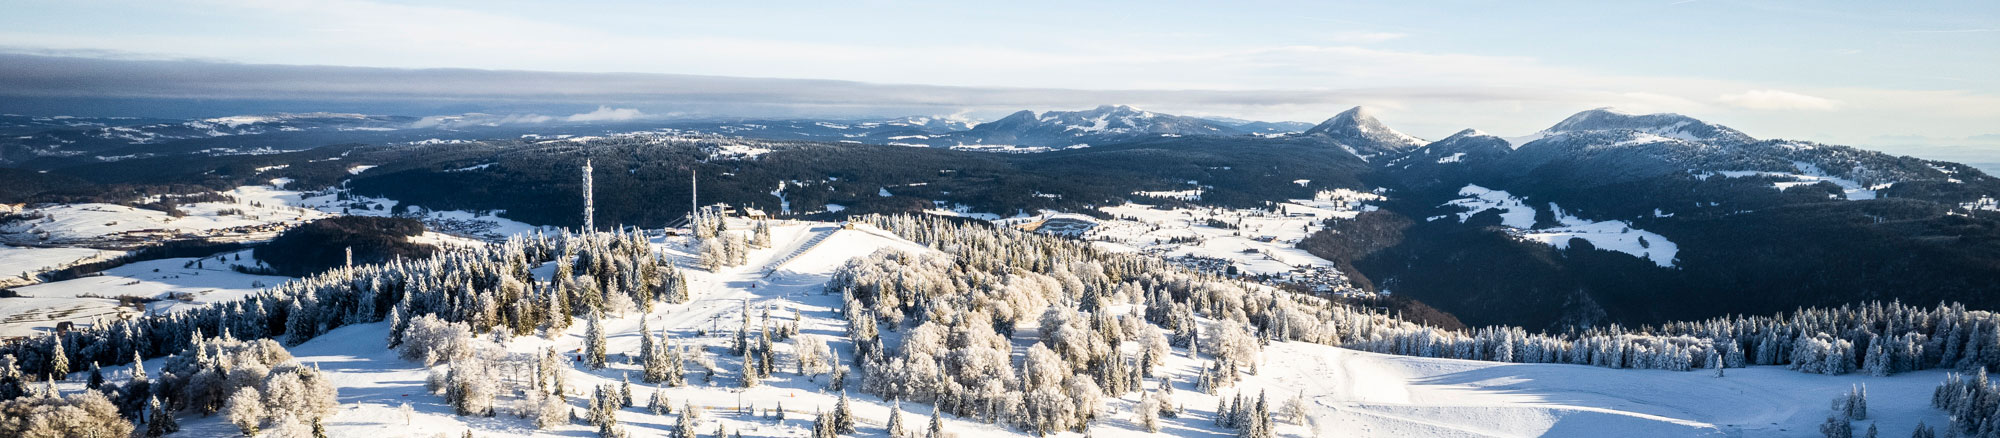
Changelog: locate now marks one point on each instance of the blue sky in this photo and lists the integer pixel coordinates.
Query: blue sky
(1888, 74)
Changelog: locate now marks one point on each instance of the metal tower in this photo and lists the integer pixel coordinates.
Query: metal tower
(589, 201)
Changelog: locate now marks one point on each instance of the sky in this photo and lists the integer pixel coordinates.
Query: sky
(1911, 77)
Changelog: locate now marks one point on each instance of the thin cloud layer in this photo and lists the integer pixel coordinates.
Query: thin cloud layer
(1778, 100)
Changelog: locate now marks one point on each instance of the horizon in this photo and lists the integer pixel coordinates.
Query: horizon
(1908, 79)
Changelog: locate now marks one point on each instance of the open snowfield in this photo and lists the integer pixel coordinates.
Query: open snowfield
(177, 283)
(18, 260)
(1263, 242)
(253, 206)
(1612, 235)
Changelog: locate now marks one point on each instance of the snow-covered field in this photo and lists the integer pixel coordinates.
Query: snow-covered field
(1359, 394)
(1613, 235)
(16, 261)
(1346, 393)
(1262, 242)
(177, 283)
(254, 206)
(1808, 174)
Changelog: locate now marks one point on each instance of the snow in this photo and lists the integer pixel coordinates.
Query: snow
(357, 169)
(835, 208)
(1264, 241)
(1358, 394)
(18, 260)
(883, 192)
(1513, 213)
(176, 282)
(1453, 158)
(1984, 203)
(472, 168)
(1808, 174)
(784, 205)
(1186, 195)
(1607, 235)
(1517, 142)
(254, 206)
(742, 151)
(1614, 235)
(961, 210)
(1347, 393)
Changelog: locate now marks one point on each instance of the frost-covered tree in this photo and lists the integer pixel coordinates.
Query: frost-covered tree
(246, 410)
(432, 340)
(760, 235)
(58, 361)
(84, 414)
(1147, 413)
(812, 354)
(713, 255)
(593, 343)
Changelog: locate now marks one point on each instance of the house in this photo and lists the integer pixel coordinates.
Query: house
(755, 214)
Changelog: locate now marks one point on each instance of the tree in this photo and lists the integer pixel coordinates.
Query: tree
(58, 361)
(760, 236)
(895, 427)
(159, 421)
(246, 410)
(1147, 413)
(1835, 427)
(84, 414)
(712, 256)
(843, 416)
(433, 341)
(593, 345)
(936, 429)
(658, 404)
(96, 377)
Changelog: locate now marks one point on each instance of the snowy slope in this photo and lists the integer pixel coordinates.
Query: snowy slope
(1358, 394)
(1346, 393)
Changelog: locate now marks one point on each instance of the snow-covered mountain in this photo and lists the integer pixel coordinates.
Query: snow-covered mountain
(1357, 131)
(1669, 125)
(1108, 123)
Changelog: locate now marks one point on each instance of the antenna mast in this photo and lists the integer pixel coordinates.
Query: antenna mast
(589, 203)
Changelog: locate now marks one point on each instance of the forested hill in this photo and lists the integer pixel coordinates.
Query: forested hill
(644, 180)
(1603, 218)
(1613, 217)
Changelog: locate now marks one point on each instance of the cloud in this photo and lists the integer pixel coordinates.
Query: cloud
(1366, 37)
(1778, 100)
(607, 114)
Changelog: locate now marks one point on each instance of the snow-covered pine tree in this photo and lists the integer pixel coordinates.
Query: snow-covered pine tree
(593, 345)
(895, 427)
(58, 361)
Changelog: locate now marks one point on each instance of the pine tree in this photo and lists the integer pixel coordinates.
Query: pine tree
(58, 361)
(625, 390)
(895, 427)
(160, 422)
(936, 429)
(843, 416)
(593, 347)
(658, 403)
(396, 326)
(96, 377)
(750, 374)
